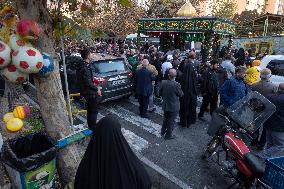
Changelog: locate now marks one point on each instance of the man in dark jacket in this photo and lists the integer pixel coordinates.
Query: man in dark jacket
(87, 88)
(275, 127)
(209, 88)
(234, 89)
(188, 102)
(170, 91)
(144, 87)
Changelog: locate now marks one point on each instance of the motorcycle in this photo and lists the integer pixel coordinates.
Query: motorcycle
(232, 129)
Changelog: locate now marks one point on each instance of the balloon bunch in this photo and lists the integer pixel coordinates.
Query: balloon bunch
(18, 58)
(13, 120)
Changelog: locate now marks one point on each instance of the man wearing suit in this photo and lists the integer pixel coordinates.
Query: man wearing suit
(170, 91)
(144, 87)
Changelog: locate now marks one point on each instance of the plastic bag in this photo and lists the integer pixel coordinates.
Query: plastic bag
(28, 152)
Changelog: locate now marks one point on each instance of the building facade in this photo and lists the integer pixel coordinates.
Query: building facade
(271, 6)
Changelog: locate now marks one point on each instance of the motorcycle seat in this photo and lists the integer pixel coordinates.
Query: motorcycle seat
(256, 165)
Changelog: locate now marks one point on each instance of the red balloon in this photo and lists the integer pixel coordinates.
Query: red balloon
(28, 29)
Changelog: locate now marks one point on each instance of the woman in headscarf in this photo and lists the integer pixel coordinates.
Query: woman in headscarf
(109, 162)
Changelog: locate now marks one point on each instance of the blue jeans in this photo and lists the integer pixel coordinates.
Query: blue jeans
(274, 144)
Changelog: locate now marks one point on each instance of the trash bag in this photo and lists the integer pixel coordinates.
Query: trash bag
(29, 152)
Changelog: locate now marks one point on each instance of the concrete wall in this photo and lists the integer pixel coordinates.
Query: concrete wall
(277, 42)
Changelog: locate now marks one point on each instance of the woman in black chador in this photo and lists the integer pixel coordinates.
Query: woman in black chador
(109, 162)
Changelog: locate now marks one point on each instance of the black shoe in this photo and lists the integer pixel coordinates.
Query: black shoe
(202, 118)
(145, 116)
(153, 110)
(260, 147)
(170, 138)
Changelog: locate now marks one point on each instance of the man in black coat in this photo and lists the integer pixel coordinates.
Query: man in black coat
(209, 88)
(144, 87)
(274, 127)
(87, 88)
(170, 91)
(188, 102)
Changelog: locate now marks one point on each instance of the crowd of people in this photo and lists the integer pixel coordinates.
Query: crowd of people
(222, 82)
(177, 82)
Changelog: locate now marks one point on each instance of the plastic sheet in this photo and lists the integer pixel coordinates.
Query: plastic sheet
(29, 152)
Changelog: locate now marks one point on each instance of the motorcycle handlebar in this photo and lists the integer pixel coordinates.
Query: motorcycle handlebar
(233, 125)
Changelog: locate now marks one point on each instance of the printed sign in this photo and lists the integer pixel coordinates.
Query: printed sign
(259, 47)
(42, 178)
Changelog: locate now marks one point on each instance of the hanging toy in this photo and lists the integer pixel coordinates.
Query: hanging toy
(28, 29)
(8, 116)
(5, 55)
(48, 65)
(27, 59)
(15, 42)
(21, 112)
(8, 22)
(14, 75)
(14, 124)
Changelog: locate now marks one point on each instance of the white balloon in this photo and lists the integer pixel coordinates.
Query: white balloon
(16, 42)
(5, 55)
(14, 75)
(27, 59)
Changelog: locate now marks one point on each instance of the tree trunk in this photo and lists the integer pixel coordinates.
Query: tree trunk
(49, 89)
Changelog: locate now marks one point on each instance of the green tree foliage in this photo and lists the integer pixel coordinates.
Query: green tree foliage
(115, 16)
(164, 8)
(246, 16)
(224, 8)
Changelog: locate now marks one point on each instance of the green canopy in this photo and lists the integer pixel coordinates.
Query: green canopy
(187, 25)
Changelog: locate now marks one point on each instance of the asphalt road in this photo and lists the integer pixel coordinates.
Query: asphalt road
(180, 156)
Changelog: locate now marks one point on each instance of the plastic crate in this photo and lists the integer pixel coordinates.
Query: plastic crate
(274, 173)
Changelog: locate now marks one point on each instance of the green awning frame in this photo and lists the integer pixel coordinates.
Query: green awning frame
(187, 25)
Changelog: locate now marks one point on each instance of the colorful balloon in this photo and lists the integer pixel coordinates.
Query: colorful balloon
(14, 124)
(21, 112)
(27, 60)
(28, 29)
(5, 55)
(48, 65)
(14, 75)
(15, 42)
(8, 116)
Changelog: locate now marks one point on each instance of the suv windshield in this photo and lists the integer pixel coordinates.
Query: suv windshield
(276, 67)
(109, 66)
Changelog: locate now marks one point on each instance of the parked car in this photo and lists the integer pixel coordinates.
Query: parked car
(111, 74)
(276, 64)
(114, 77)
